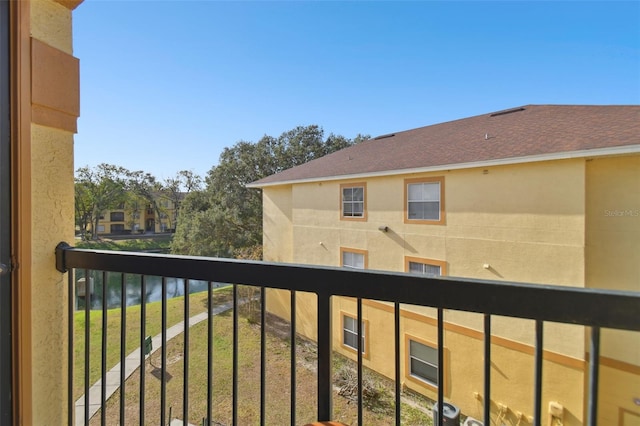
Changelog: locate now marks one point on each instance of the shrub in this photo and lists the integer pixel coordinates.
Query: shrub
(375, 397)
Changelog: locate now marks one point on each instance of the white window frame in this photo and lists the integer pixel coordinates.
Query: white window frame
(426, 269)
(353, 331)
(414, 357)
(344, 201)
(442, 266)
(436, 184)
(347, 256)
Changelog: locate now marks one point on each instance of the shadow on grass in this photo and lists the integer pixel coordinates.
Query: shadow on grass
(221, 296)
(157, 373)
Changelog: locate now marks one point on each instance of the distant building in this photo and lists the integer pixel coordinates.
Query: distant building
(142, 217)
(539, 194)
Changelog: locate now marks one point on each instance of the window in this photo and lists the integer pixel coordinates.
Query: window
(353, 201)
(430, 267)
(424, 269)
(350, 333)
(423, 362)
(424, 200)
(353, 258)
(117, 228)
(116, 217)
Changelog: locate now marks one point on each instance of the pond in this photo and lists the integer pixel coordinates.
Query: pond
(153, 288)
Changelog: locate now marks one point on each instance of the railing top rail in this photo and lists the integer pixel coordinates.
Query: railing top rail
(585, 306)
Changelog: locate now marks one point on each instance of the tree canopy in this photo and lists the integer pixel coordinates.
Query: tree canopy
(108, 187)
(225, 219)
(97, 190)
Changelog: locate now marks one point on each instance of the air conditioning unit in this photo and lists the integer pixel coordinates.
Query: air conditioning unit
(472, 422)
(450, 414)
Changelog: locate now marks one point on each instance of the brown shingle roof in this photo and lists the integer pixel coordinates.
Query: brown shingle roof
(528, 131)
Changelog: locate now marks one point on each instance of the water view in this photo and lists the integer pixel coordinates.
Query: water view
(133, 286)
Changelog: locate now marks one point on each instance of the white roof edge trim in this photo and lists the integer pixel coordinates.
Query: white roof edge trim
(598, 152)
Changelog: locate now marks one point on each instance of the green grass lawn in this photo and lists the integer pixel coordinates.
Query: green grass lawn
(278, 373)
(175, 314)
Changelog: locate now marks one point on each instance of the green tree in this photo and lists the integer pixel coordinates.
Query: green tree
(175, 189)
(83, 209)
(135, 207)
(98, 190)
(226, 217)
(144, 187)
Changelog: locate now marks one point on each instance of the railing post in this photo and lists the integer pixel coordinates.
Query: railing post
(594, 368)
(293, 358)
(538, 360)
(71, 405)
(324, 356)
(60, 260)
(487, 369)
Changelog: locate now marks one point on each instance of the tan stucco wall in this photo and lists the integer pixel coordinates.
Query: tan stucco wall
(618, 390)
(613, 225)
(526, 221)
(51, 222)
(533, 211)
(613, 240)
(51, 23)
(52, 178)
(278, 225)
(512, 364)
(613, 262)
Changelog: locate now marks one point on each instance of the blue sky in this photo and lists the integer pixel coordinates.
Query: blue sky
(166, 85)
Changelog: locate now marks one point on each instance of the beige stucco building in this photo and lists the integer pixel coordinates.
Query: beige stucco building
(537, 194)
(141, 217)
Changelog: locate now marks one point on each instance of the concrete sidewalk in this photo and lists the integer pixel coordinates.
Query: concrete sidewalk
(132, 362)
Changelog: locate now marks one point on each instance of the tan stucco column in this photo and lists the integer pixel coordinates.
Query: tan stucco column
(45, 107)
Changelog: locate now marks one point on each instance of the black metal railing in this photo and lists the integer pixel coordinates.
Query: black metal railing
(542, 303)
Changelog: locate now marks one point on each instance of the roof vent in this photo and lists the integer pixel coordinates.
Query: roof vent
(506, 111)
(390, 135)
